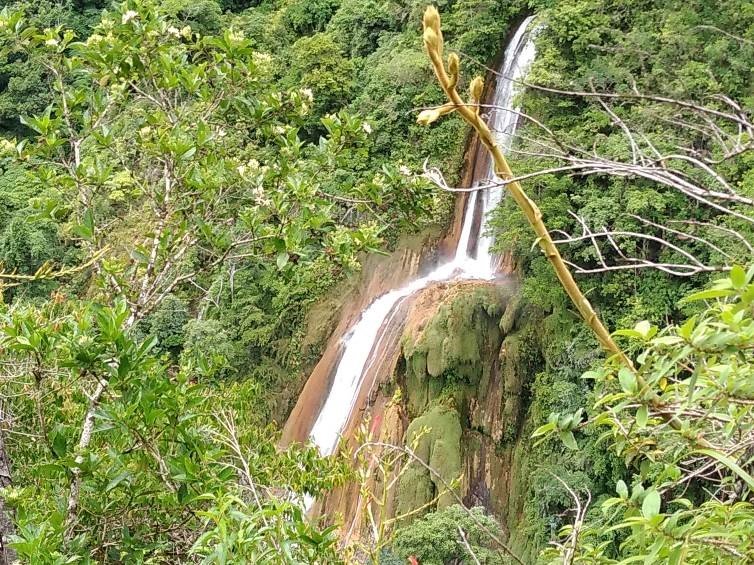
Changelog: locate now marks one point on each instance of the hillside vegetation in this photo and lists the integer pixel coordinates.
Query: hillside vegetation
(183, 182)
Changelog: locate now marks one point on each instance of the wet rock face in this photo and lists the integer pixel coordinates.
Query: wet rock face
(450, 335)
(329, 321)
(462, 363)
(435, 437)
(468, 354)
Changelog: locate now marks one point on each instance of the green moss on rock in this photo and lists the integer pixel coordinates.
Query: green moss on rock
(455, 345)
(436, 438)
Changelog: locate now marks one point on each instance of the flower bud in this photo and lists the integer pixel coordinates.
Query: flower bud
(432, 23)
(476, 88)
(432, 19)
(426, 117)
(430, 39)
(453, 64)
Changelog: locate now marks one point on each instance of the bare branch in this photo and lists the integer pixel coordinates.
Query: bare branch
(414, 457)
(466, 545)
(573, 537)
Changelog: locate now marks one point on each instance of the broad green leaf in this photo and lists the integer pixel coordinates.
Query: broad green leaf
(641, 417)
(542, 430)
(621, 489)
(633, 334)
(708, 294)
(645, 329)
(567, 438)
(282, 260)
(738, 276)
(627, 380)
(650, 507)
(730, 463)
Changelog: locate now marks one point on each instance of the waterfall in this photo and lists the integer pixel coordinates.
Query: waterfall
(468, 262)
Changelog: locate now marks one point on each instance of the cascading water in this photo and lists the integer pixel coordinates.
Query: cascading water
(469, 262)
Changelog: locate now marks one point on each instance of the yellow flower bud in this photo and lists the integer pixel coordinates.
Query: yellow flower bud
(432, 19)
(476, 88)
(430, 39)
(432, 23)
(453, 64)
(426, 117)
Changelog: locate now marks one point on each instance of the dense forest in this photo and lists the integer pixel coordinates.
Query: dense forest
(197, 196)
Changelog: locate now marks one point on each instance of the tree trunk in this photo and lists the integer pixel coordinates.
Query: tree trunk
(7, 555)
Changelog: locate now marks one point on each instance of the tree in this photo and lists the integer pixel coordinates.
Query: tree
(203, 17)
(163, 461)
(24, 82)
(306, 17)
(451, 535)
(319, 63)
(213, 172)
(164, 156)
(688, 498)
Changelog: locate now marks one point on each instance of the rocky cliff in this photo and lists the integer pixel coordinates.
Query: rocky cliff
(458, 395)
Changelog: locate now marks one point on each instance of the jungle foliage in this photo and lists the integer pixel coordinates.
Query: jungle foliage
(203, 172)
(682, 424)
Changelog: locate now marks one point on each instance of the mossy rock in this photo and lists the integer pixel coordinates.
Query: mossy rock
(457, 345)
(436, 439)
(513, 310)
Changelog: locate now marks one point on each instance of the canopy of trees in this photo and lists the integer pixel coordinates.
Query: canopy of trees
(181, 181)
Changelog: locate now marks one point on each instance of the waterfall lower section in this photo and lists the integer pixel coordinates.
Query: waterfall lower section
(365, 350)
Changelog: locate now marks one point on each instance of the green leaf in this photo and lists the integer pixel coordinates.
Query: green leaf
(116, 481)
(738, 276)
(85, 229)
(677, 554)
(650, 507)
(641, 417)
(632, 559)
(707, 295)
(633, 334)
(668, 340)
(187, 154)
(645, 329)
(627, 380)
(282, 260)
(730, 463)
(59, 444)
(49, 470)
(688, 326)
(622, 489)
(545, 429)
(568, 439)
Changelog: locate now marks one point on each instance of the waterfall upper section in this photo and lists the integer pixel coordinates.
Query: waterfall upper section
(352, 363)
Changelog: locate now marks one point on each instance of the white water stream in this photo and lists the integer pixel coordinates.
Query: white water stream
(478, 263)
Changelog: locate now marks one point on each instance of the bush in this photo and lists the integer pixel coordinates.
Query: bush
(203, 16)
(318, 63)
(208, 346)
(168, 324)
(359, 24)
(435, 540)
(26, 245)
(305, 17)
